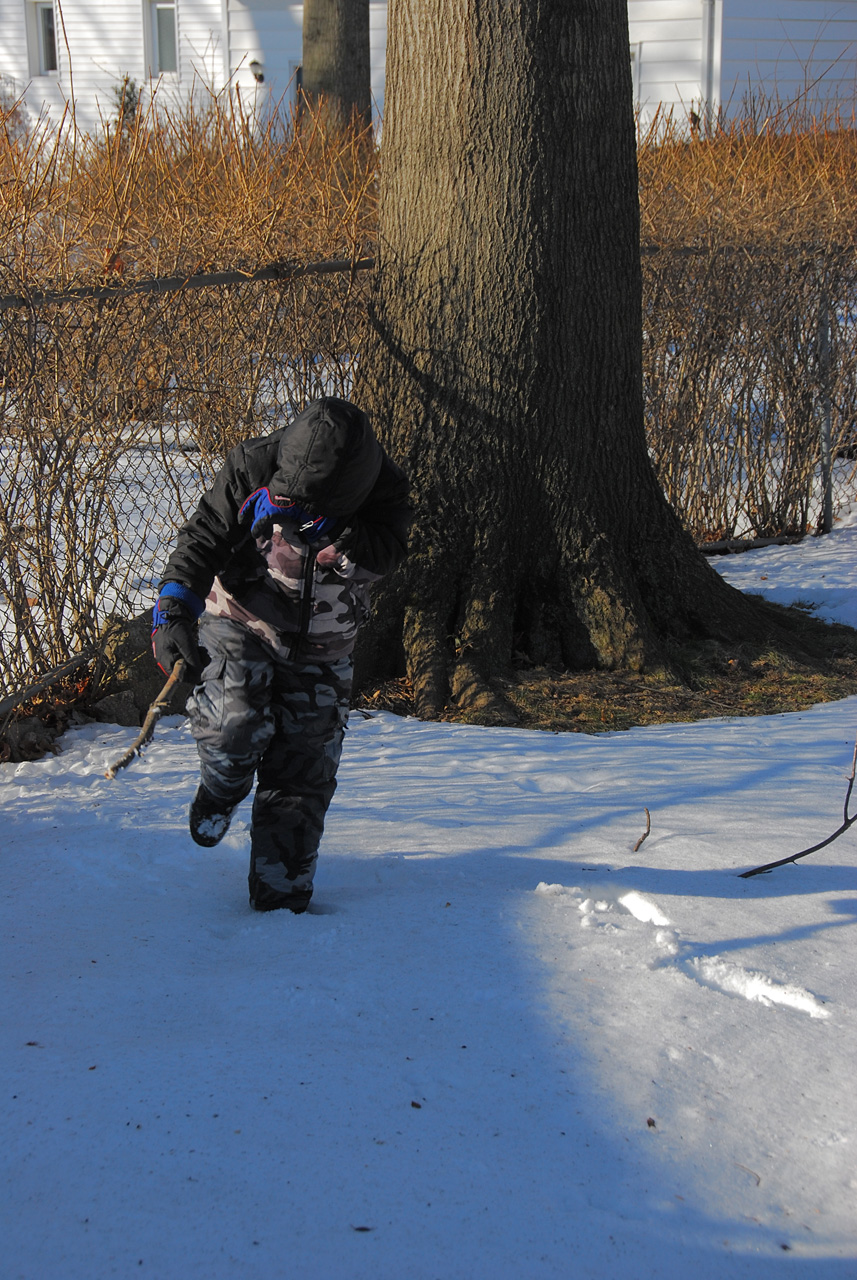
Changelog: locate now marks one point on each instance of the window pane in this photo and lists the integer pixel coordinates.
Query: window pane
(47, 38)
(165, 29)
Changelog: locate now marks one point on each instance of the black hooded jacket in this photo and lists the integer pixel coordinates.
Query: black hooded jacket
(304, 600)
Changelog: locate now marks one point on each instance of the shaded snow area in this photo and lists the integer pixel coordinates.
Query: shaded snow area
(500, 1044)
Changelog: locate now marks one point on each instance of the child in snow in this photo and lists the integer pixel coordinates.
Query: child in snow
(276, 563)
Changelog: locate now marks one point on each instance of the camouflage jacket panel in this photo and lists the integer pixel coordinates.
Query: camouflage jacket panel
(308, 605)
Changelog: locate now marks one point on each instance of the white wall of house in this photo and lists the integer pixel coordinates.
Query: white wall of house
(723, 52)
(267, 32)
(685, 52)
(97, 45)
(378, 52)
(666, 51)
(98, 42)
(787, 48)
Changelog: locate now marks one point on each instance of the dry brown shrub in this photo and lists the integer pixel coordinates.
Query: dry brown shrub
(181, 192)
(783, 180)
(749, 230)
(116, 410)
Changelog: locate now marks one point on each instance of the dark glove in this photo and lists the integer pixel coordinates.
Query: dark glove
(174, 632)
(263, 509)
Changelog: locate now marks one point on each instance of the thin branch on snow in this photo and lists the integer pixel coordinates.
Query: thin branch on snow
(848, 820)
(647, 830)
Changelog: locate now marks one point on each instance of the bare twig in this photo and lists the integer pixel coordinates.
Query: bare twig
(153, 715)
(752, 1172)
(647, 830)
(848, 820)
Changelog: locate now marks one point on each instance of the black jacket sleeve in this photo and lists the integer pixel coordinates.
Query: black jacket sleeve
(209, 539)
(376, 538)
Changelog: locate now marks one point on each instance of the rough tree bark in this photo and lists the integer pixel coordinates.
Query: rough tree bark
(504, 367)
(336, 65)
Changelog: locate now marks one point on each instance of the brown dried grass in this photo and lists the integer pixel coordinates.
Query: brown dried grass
(780, 178)
(713, 681)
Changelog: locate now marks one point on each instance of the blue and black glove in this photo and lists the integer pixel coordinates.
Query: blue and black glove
(262, 510)
(174, 631)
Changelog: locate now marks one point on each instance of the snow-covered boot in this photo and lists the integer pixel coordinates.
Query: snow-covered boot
(209, 818)
(264, 898)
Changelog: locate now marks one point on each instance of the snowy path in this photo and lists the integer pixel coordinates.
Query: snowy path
(502, 1044)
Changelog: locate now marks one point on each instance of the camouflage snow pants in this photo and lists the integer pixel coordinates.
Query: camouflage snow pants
(258, 715)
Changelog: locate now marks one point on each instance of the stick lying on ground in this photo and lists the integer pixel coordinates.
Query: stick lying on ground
(848, 820)
(647, 830)
(153, 715)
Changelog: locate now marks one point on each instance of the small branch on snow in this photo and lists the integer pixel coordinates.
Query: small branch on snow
(848, 820)
(752, 1172)
(647, 830)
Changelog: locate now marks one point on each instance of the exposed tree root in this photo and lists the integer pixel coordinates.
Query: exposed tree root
(794, 662)
(427, 657)
(476, 699)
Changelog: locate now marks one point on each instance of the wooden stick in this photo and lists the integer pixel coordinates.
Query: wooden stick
(153, 715)
(647, 830)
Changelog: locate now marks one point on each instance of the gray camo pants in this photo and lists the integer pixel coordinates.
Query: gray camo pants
(256, 715)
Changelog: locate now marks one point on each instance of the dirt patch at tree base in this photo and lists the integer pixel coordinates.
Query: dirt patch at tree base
(712, 680)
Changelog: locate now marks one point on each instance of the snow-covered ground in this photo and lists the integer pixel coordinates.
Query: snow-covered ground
(501, 1044)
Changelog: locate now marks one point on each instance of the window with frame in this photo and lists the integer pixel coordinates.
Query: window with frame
(46, 39)
(165, 45)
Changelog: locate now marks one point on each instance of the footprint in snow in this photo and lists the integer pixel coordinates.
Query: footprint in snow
(712, 972)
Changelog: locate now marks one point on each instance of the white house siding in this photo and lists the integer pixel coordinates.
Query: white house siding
(378, 53)
(269, 32)
(13, 47)
(103, 41)
(686, 51)
(666, 41)
(201, 44)
(217, 41)
(783, 48)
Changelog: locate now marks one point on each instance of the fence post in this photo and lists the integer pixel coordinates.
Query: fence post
(825, 524)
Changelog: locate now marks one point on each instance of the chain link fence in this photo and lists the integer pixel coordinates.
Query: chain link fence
(115, 411)
(114, 415)
(750, 367)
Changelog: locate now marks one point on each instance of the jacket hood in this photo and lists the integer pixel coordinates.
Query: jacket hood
(329, 459)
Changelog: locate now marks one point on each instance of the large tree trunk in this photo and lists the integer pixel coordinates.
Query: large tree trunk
(504, 369)
(336, 65)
